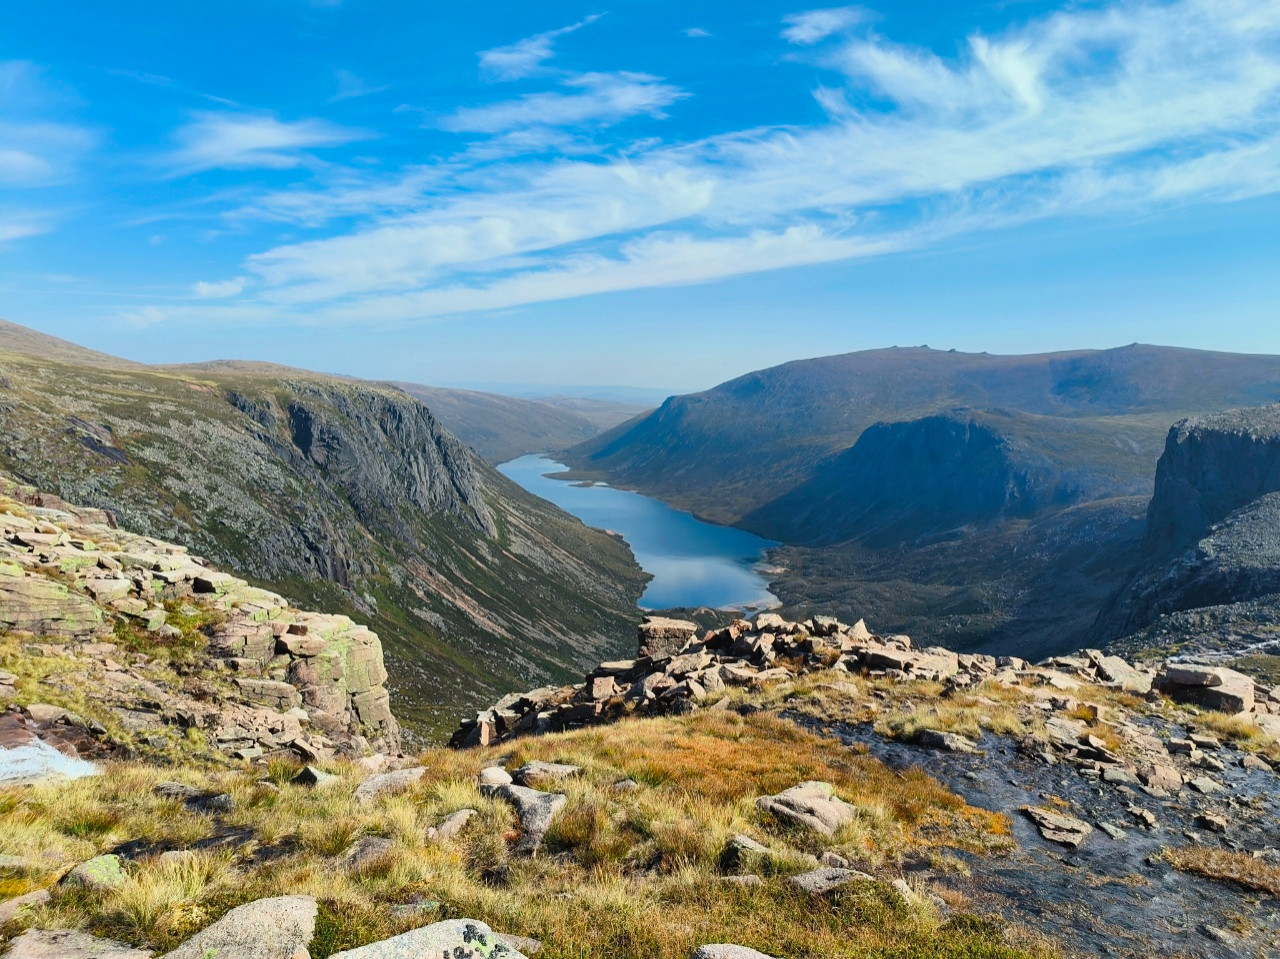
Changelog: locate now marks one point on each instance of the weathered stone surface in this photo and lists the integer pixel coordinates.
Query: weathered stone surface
(311, 776)
(455, 938)
(453, 824)
(263, 929)
(948, 742)
(385, 784)
(69, 944)
(1216, 688)
(1059, 827)
(494, 776)
(100, 874)
(366, 850)
(535, 811)
(661, 636)
(12, 907)
(532, 773)
(827, 879)
(722, 950)
(813, 805)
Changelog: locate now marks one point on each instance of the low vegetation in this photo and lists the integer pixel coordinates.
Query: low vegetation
(633, 873)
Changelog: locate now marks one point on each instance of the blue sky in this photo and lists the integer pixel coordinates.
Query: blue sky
(639, 193)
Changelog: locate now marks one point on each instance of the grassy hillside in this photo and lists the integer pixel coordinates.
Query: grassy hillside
(339, 494)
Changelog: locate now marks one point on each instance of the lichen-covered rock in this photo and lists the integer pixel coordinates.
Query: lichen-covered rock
(100, 874)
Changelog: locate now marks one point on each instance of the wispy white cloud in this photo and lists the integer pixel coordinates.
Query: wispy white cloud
(351, 87)
(696, 32)
(34, 149)
(814, 26)
(593, 98)
(218, 290)
(1123, 109)
(243, 140)
(526, 57)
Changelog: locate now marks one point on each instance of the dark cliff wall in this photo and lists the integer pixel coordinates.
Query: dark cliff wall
(1213, 524)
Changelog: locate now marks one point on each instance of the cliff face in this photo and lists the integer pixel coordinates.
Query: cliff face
(342, 495)
(1212, 466)
(1213, 528)
(168, 643)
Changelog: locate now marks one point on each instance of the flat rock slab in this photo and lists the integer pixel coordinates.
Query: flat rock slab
(819, 882)
(535, 810)
(386, 784)
(455, 938)
(1058, 827)
(947, 742)
(724, 950)
(813, 805)
(265, 929)
(69, 944)
(530, 774)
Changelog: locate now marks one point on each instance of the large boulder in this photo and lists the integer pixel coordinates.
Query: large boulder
(265, 929)
(724, 950)
(660, 636)
(1217, 687)
(813, 805)
(454, 938)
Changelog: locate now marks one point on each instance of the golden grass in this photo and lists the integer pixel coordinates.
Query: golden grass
(622, 874)
(1229, 866)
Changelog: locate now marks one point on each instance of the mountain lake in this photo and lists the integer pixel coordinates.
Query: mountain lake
(692, 563)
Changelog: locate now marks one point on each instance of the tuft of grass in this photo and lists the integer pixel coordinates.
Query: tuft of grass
(1226, 865)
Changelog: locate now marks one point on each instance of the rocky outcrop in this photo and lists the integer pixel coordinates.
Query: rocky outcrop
(1211, 467)
(1213, 526)
(290, 679)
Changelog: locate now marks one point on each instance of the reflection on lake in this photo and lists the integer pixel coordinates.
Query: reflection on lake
(692, 563)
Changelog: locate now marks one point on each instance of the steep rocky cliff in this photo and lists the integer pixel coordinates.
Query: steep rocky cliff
(340, 494)
(1213, 533)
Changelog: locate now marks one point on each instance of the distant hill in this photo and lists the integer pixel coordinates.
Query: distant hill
(733, 449)
(500, 428)
(1000, 499)
(339, 493)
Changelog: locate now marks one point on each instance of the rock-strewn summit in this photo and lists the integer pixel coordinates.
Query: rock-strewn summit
(168, 643)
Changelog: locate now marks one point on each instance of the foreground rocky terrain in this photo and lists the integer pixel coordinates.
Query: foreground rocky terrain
(1136, 772)
(342, 495)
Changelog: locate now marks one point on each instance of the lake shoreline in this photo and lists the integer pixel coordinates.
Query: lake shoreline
(694, 563)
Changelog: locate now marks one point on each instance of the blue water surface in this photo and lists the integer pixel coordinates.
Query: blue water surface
(692, 563)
